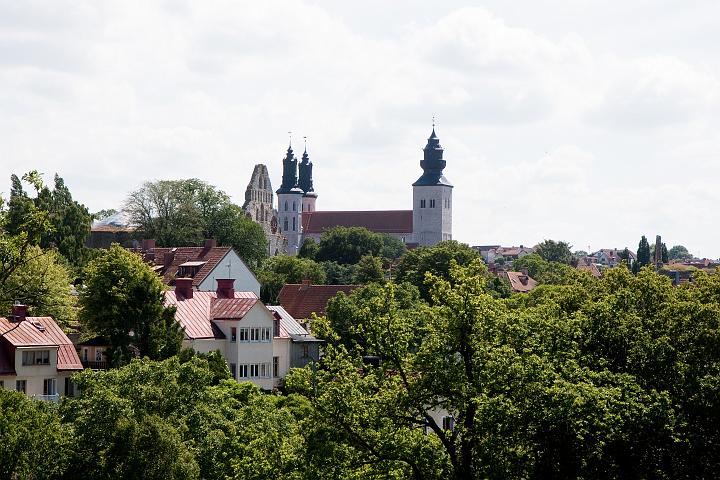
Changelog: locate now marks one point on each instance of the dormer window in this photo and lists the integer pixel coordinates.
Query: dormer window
(38, 357)
(189, 269)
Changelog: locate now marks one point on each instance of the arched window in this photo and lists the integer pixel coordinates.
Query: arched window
(294, 206)
(293, 224)
(285, 225)
(286, 205)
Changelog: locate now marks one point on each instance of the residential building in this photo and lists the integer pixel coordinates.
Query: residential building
(302, 300)
(36, 357)
(520, 282)
(93, 353)
(610, 257)
(258, 343)
(588, 264)
(204, 265)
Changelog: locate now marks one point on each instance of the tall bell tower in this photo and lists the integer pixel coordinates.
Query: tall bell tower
(289, 197)
(432, 197)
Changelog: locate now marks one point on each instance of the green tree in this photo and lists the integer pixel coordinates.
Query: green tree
(281, 269)
(70, 220)
(186, 212)
(679, 252)
(347, 245)
(308, 249)
(393, 248)
(416, 263)
(123, 301)
(368, 270)
(542, 270)
(42, 283)
(104, 213)
(643, 252)
(338, 273)
(552, 251)
(34, 443)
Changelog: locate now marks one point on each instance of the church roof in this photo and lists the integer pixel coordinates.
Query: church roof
(379, 221)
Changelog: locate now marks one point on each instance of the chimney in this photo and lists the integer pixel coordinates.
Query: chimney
(183, 288)
(225, 288)
(148, 244)
(210, 243)
(524, 271)
(168, 258)
(19, 312)
(306, 281)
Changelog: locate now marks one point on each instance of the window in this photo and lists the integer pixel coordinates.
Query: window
(69, 388)
(21, 386)
(276, 366)
(49, 386)
(422, 203)
(243, 371)
(264, 370)
(305, 351)
(40, 357)
(293, 224)
(233, 334)
(294, 206)
(254, 334)
(432, 203)
(254, 367)
(244, 335)
(276, 328)
(85, 352)
(98, 355)
(233, 371)
(266, 334)
(448, 423)
(286, 205)
(285, 225)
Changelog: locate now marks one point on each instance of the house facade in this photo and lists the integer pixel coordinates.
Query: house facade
(36, 357)
(256, 341)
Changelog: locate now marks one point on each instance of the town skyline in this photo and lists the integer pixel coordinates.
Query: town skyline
(552, 128)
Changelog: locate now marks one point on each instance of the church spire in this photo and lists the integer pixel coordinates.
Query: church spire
(432, 163)
(289, 177)
(305, 181)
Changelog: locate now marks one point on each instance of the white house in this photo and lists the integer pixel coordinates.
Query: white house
(36, 357)
(205, 265)
(256, 342)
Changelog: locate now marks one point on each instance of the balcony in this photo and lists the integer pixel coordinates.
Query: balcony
(94, 365)
(47, 398)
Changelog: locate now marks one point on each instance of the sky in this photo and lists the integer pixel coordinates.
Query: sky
(592, 122)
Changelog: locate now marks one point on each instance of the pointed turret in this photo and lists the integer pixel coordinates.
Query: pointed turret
(289, 177)
(432, 163)
(305, 181)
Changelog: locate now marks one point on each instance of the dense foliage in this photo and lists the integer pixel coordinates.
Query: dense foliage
(122, 300)
(185, 212)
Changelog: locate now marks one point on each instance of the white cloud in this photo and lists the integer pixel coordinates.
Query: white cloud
(550, 131)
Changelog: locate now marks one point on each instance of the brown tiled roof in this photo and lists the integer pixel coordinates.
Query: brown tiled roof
(195, 314)
(587, 264)
(210, 255)
(519, 282)
(379, 221)
(231, 308)
(302, 300)
(41, 332)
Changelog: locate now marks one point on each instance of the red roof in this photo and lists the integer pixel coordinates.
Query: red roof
(302, 300)
(520, 282)
(196, 314)
(231, 308)
(211, 256)
(40, 332)
(379, 221)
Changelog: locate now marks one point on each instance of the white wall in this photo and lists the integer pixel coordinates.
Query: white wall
(34, 375)
(293, 236)
(432, 225)
(245, 281)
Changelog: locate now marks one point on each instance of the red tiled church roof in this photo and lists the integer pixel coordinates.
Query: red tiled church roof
(379, 221)
(302, 300)
(40, 332)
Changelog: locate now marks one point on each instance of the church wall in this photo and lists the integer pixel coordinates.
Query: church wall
(432, 223)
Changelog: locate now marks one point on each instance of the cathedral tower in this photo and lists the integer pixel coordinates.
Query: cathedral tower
(290, 203)
(305, 182)
(432, 197)
(258, 206)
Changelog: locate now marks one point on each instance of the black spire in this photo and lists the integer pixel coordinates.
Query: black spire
(305, 181)
(432, 163)
(289, 177)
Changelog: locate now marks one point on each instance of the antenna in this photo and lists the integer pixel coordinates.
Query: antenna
(290, 135)
(305, 140)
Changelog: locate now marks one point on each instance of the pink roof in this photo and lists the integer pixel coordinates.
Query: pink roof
(302, 300)
(520, 282)
(210, 255)
(195, 314)
(231, 308)
(379, 221)
(41, 332)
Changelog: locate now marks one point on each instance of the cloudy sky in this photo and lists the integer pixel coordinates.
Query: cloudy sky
(591, 121)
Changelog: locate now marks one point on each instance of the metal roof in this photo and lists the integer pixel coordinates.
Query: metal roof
(41, 332)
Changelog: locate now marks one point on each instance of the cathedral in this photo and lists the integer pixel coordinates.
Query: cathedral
(296, 218)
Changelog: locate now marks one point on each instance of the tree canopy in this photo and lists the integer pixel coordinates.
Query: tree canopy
(544, 271)
(346, 245)
(552, 251)
(186, 212)
(643, 252)
(123, 301)
(281, 269)
(679, 252)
